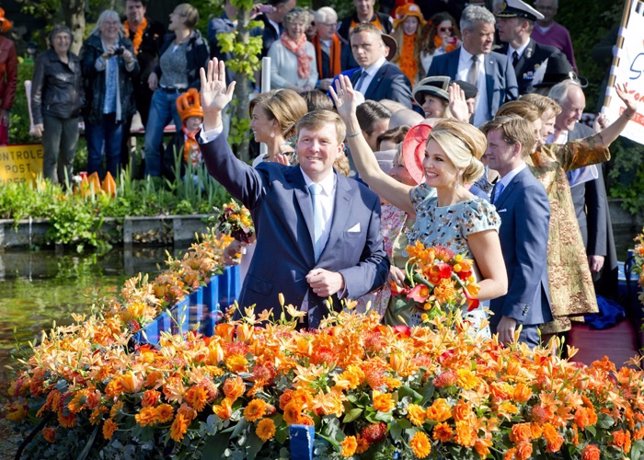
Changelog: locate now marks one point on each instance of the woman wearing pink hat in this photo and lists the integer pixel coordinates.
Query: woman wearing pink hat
(446, 213)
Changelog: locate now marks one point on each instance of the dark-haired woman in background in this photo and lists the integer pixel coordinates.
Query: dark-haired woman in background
(56, 100)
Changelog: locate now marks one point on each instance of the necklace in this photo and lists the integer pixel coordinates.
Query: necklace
(138, 35)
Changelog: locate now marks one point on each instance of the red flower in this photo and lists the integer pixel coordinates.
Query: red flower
(419, 293)
(402, 331)
(374, 433)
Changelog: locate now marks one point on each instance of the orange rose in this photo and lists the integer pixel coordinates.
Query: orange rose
(150, 398)
(462, 411)
(524, 450)
(590, 452)
(553, 439)
(439, 411)
(233, 388)
(520, 432)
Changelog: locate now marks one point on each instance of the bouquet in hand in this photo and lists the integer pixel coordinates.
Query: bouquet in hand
(234, 219)
(437, 283)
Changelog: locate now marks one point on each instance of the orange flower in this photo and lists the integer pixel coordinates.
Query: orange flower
(585, 416)
(350, 378)
(363, 445)
(146, 416)
(553, 439)
(197, 397)
(622, 440)
(109, 427)
(465, 434)
(150, 398)
(265, 429)
(348, 446)
(420, 444)
(443, 432)
(444, 291)
(462, 411)
(16, 411)
(164, 413)
(521, 432)
(153, 378)
(179, 428)
(224, 410)
(49, 433)
(439, 411)
(130, 382)
(234, 388)
(482, 447)
(590, 452)
(66, 419)
(292, 413)
(524, 451)
(416, 414)
(522, 393)
(383, 402)
(255, 410)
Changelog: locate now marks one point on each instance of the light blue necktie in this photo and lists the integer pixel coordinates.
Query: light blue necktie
(318, 219)
(497, 191)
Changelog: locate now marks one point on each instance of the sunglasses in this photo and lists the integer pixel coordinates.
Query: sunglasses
(446, 29)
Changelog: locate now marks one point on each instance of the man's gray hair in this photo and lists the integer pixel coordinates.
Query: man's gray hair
(559, 92)
(473, 14)
(326, 15)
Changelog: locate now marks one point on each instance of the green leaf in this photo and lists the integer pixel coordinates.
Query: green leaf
(352, 415)
(406, 391)
(214, 447)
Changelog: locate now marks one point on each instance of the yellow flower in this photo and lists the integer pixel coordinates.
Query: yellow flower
(265, 429)
(382, 402)
(416, 414)
(236, 363)
(420, 445)
(224, 410)
(348, 446)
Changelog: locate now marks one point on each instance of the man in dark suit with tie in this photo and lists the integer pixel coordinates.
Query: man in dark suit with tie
(377, 79)
(318, 232)
(476, 63)
(515, 23)
(522, 203)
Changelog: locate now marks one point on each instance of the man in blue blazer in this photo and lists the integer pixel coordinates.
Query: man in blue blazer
(522, 203)
(476, 63)
(377, 79)
(311, 244)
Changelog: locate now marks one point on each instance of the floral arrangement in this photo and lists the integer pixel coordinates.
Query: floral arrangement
(235, 220)
(638, 264)
(438, 283)
(370, 391)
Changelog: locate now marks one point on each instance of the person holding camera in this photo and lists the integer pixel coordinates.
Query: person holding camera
(109, 67)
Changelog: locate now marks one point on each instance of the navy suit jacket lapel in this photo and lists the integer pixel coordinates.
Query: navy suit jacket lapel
(507, 191)
(375, 82)
(523, 60)
(452, 63)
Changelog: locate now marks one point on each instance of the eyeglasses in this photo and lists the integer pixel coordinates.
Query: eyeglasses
(446, 29)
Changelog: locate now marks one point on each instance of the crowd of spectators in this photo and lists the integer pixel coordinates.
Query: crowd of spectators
(432, 70)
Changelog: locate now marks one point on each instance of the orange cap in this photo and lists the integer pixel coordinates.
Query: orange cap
(189, 104)
(408, 9)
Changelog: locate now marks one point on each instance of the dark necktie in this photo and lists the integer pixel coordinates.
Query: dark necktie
(473, 72)
(360, 80)
(515, 58)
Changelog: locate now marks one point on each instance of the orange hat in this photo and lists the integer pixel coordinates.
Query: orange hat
(408, 9)
(5, 24)
(189, 104)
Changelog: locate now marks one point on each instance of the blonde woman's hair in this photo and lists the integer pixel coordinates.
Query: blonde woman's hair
(523, 108)
(542, 103)
(463, 144)
(189, 13)
(286, 107)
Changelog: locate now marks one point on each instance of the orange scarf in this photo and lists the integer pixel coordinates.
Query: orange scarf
(191, 150)
(374, 22)
(408, 62)
(335, 67)
(138, 35)
(298, 48)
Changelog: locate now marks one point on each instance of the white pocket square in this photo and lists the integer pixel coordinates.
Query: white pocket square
(502, 210)
(355, 228)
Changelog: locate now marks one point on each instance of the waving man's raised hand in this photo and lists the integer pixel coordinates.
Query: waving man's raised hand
(215, 94)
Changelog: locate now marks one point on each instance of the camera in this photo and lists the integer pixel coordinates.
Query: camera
(118, 51)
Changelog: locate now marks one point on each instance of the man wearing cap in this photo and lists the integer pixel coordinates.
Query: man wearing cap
(378, 79)
(522, 204)
(476, 63)
(515, 22)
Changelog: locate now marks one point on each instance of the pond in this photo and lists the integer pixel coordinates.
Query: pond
(39, 288)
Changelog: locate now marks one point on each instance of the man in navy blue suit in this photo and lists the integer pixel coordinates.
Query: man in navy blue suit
(318, 232)
(522, 203)
(476, 63)
(377, 79)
